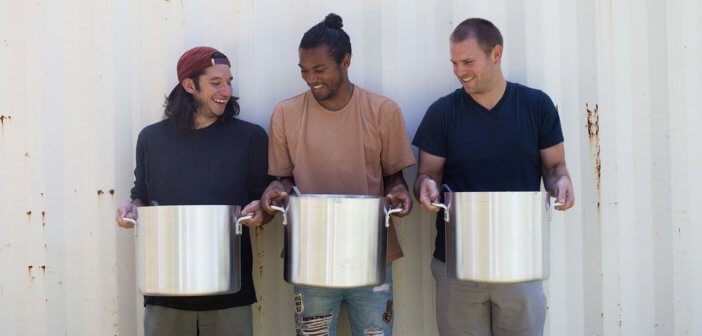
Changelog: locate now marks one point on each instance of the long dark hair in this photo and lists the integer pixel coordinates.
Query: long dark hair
(180, 107)
(328, 32)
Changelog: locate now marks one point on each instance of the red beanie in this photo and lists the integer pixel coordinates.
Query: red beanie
(196, 59)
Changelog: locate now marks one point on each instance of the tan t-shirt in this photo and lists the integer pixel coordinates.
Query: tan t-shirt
(340, 152)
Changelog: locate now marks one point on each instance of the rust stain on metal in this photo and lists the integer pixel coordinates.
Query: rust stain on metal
(593, 132)
(260, 271)
(29, 213)
(112, 192)
(100, 192)
(43, 219)
(29, 271)
(43, 270)
(60, 283)
(27, 155)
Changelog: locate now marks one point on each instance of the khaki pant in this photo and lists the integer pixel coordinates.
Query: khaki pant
(162, 321)
(483, 309)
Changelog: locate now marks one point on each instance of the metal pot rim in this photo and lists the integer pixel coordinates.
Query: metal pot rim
(336, 196)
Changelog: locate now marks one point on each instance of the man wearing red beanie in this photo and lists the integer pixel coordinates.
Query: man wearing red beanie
(200, 154)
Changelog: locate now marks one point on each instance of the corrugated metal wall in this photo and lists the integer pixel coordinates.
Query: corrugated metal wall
(79, 79)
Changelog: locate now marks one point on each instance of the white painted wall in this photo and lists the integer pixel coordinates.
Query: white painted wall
(80, 78)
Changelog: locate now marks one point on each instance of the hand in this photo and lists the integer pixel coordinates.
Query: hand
(253, 209)
(128, 210)
(399, 197)
(273, 195)
(565, 193)
(428, 194)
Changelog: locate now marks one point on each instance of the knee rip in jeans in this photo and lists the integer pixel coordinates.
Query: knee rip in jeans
(315, 325)
(374, 331)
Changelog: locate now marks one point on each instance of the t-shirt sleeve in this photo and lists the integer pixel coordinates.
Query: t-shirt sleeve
(258, 178)
(432, 131)
(139, 190)
(279, 161)
(550, 132)
(396, 153)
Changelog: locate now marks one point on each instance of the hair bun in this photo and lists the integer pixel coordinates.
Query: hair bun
(333, 21)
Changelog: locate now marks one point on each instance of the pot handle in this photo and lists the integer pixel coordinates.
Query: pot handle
(237, 228)
(283, 210)
(446, 210)
(550, 209)
(133, 222)
(447, 217)
(390, 212)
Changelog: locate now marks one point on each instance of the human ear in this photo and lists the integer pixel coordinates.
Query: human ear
(188, 85)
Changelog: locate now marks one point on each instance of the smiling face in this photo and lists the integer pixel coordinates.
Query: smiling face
(322, 73)
(212, 92)
(478, 72)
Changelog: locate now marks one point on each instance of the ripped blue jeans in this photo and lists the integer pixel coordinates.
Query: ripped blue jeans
(370, 309)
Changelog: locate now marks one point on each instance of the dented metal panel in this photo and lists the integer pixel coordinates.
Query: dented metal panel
(81, 78)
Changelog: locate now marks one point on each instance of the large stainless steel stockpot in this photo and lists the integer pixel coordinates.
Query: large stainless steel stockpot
(336, 241)
(497, 237)
(188, 250)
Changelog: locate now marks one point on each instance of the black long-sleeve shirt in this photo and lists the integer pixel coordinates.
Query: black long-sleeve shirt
(224, 163)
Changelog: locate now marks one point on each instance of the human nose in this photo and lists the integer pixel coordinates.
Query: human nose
(227, 90)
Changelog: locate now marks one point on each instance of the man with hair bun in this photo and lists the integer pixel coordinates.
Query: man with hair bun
(339, 138)
(488, 135)
(201, 154)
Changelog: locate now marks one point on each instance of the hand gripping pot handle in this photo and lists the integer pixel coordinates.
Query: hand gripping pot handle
(550, 209)
(390, 212)
(285, 210)
(133, 222)
(444, 206)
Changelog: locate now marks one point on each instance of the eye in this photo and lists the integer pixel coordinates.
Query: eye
(320, 70)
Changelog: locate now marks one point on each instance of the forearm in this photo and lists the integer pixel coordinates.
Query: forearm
(552, 175)
(393, 182)
(288, 182)
(421, 178)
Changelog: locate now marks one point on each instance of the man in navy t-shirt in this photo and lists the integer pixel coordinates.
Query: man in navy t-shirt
(489, 135)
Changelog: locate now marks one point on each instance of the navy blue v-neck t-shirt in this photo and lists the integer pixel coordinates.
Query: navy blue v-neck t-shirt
(489, 150)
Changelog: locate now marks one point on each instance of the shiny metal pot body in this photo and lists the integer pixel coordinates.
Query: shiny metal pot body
(498, 237)
(335, 241)
(188, 250)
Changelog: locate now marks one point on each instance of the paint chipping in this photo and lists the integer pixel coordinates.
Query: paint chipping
(29, 213)
(100, 192)
(593, 132)
(112, 192)
(260, 271)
